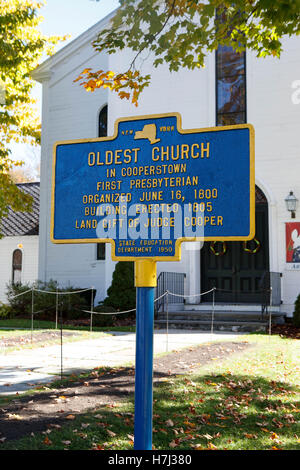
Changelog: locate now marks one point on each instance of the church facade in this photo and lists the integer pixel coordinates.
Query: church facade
(231, 89)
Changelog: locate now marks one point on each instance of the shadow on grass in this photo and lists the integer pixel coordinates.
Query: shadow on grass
(223, 412)
(229, 411)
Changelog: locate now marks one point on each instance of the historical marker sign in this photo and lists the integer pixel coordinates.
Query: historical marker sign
(153, 185)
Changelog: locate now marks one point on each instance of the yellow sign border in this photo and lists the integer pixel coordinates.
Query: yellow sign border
(178, 242)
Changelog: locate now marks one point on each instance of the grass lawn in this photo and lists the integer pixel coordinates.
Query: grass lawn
(249, 401)
(25, 324)
(44, 333)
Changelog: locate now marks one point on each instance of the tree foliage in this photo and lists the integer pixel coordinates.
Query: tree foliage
(22, 46)
(181, 33)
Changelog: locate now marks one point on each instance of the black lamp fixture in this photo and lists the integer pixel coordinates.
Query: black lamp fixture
(291, 204)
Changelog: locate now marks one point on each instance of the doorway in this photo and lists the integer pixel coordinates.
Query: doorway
(236, 268)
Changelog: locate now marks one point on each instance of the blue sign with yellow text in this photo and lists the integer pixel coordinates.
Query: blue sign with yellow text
(153, 185)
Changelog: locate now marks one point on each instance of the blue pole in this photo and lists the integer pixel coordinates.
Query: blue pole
(144, 368)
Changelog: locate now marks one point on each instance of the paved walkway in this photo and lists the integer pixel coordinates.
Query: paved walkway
(23, 370)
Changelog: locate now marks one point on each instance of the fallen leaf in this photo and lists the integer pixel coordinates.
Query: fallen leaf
(169, 423)
(47, 441)
(211, 446)
(98, 447)
(14, 416)
(70, 417)
(163, 430)
(173, 444)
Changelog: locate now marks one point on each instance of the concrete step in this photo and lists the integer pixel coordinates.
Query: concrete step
(223, 321)
(202, 307)
(220, 315)
(206, 325)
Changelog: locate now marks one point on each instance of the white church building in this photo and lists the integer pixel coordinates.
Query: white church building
(231, 89)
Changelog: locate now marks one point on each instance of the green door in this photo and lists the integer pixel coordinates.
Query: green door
(236, 268)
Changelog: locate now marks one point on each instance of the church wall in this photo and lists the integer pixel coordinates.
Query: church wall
(71, 113)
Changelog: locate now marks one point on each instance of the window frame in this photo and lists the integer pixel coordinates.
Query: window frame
(104, 107)
(244, 75)
(101, 245)
(14, 265)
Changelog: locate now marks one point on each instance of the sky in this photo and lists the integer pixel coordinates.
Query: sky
(62, 17)
(74, 16)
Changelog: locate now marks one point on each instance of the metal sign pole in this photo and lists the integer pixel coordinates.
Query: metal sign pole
(145, 282)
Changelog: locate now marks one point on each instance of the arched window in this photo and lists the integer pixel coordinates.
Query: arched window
(102, 123)
(102, 132)
(16, 266)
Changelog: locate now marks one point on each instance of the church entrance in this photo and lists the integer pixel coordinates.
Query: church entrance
(236, 268)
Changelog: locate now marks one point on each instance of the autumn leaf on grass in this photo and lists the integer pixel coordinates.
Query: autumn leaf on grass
(169, 423)
(250, 436)
(262, 424)
(56, 426)
(275, 438)
(204, 419)
(111, 433)
(47, 441)
(211, 446)
(163, 430)
(189, 424)
(98, 447)
(70, 417)
(14, 416)
(67, 443)
(277, 423)
(174, 443)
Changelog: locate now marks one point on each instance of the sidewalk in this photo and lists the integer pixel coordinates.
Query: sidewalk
(23, 370)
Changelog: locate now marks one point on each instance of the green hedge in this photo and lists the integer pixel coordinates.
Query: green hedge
(44, 305)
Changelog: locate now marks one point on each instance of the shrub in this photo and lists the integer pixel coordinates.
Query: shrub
(104, 320)
(70, 306)
(5, 310)
(296, 315)
(121, 294)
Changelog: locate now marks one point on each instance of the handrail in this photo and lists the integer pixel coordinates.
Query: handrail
(170, 282)
(270, 284)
